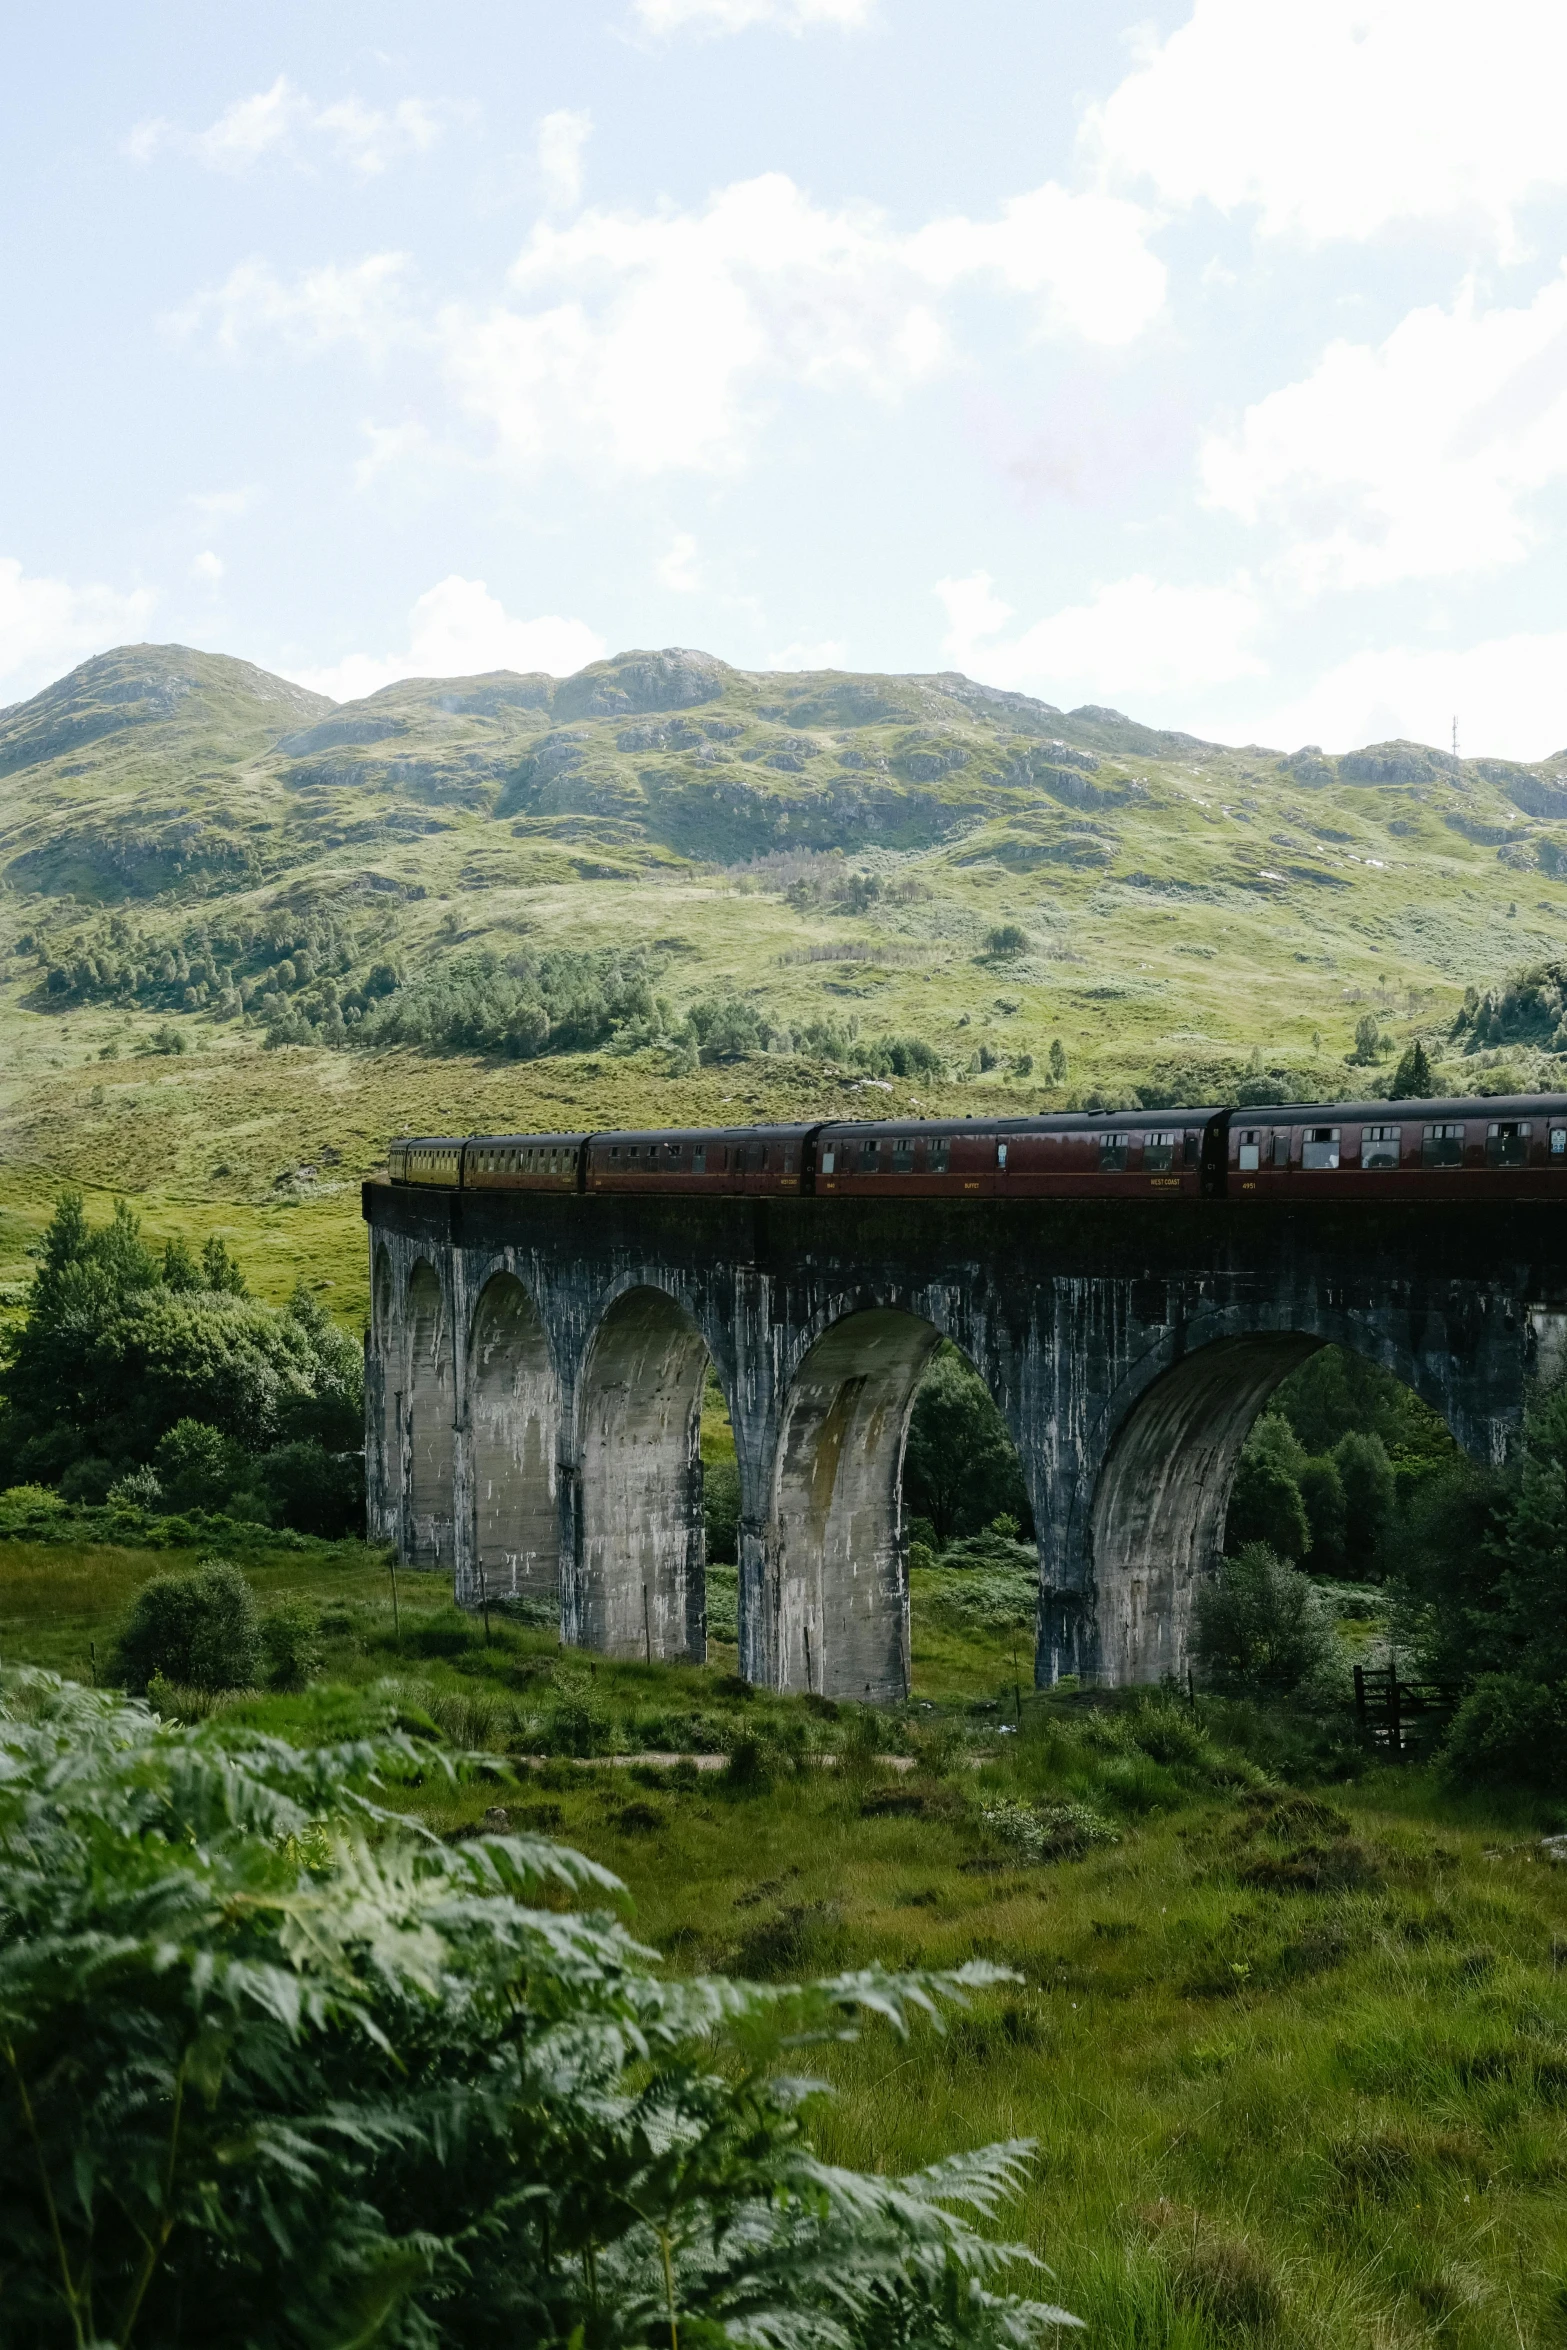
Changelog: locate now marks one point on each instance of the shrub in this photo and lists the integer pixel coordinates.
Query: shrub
(197, 1630)
(1509, 1731)
(1261, 1628)
(138, 1489)
(265, 2075)
(1007, 940)
(1047, 1831)
(87, 1482)
(291, 1644)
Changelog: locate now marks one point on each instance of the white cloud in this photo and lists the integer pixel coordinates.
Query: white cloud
(370, 138)
(1509, 695)
(562, 137)
(207, 566)
(248, 129)
(215, 506)
(458, 629)
(1086, 254)
(1339, 118)
(1136, 635)
(361, 302)
(679, 568)
(1413, 459)
(46, 625)
(281, 120)
(742, 16)
(653, 341)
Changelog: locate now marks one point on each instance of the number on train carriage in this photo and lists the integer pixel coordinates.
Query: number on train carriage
(1559, 1142)
(1380, 1145)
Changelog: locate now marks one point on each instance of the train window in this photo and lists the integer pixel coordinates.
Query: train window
(903, 1154)
(1380, 1145)
(938, 1155)
(1112, 1154)
(1249, 1153)
(1507, 1145)
(1281, 1146)
(868, 1158)
(699, 1158)
(1193, 1150)
(1321, 1147)
(1001, 1156)
(791, 1158)
(1159, 1152)
(829, 1160)
(1559, 1142)
(672, 1151)
(1441, 1146)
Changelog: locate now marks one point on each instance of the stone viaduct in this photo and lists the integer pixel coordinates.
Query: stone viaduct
(536, 1366)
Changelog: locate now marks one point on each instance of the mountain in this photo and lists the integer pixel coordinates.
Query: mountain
(538, 897)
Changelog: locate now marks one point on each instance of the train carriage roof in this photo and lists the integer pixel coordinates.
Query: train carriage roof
(1461, 1106)
(509, 1142)
(1055, 1122)
(684, 1134)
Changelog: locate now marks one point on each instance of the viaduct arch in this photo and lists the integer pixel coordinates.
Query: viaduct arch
(535, 1370)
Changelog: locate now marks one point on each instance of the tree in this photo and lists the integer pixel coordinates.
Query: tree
(274, 2068)
(1368, 1040)
(960, 1468)
(1057, 1061)
(1412, 1077)
(1262, 1629)
(1265, 1502)
(1366, 1475)
(109, 1356)
(1006, 941)
(197, 1466)
(1322, 1494)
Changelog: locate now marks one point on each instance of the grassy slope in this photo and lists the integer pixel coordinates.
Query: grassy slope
(434, 820)
(1343, 2104)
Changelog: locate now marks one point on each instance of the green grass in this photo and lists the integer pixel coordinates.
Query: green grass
(1297, 2064)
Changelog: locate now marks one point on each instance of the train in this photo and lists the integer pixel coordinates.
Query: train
(1513, 1147)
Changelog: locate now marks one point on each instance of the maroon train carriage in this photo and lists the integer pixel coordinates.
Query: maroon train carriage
(1160, 1153)
(523, 1162)
(700, 1159)
(1512, 1147)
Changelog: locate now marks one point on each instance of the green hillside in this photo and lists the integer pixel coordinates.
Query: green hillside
(245, 932)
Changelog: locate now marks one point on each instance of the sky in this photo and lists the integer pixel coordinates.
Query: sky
(1206, 359)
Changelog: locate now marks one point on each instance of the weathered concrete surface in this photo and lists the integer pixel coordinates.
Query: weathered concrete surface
(534, 1377)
